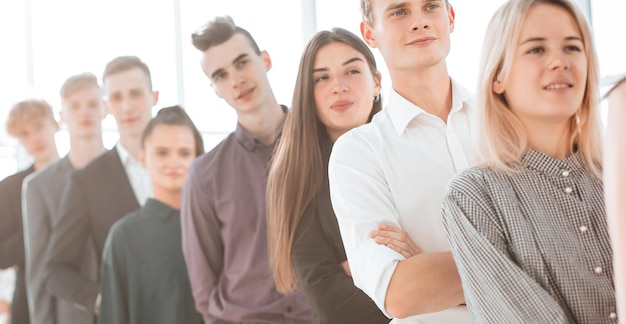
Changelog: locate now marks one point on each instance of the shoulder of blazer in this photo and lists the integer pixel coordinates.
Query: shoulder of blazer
(109, 161)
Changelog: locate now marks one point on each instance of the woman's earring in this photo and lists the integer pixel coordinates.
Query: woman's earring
(377, 98)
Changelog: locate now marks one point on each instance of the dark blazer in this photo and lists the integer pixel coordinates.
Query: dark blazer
(95, 198)
(12, 240)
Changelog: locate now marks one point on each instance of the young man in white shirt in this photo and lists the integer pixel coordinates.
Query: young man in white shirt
(394, 170)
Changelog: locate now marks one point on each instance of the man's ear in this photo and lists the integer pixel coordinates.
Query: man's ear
(267, 59)
(368, 35)
(451, 16)
(107, 109)
(155, 97)
(142, 158)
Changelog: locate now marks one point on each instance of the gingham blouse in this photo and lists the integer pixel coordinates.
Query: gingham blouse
(532, 246)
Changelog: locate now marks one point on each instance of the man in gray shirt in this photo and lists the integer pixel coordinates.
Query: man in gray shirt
(223, 208)
(82, 111)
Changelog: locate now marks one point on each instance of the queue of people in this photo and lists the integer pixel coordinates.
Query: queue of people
(443, 206)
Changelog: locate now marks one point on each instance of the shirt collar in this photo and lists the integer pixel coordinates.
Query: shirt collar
(155, 208)
(125, 156)
(535, 160)
(249, 141)
(401, 111)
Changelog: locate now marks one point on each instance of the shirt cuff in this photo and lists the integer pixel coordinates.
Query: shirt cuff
(374, 265)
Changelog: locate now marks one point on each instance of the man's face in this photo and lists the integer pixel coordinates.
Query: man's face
(238, 74)
(410, 34)
(129, 99)
(83, 112)
(37, 137)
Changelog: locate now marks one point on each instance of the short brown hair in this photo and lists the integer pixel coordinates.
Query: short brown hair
(217, 32)
(28, 111)
(78, 82)
(368, 16)
(125, 63)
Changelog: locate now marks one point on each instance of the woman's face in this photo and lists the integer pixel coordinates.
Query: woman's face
(168, 153)
(549, 71)
(344, 88)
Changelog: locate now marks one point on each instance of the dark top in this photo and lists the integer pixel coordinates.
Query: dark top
(95, 197)
(317, 256)
(144, 277)
(225, 236)
(12, 240)
(532, 246)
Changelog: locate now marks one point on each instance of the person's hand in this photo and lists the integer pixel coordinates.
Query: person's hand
(395, 239)
(346, 268)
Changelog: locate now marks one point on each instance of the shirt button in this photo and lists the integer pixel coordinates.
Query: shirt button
(565, 173)
(583, 228)
(568, 190)
(613, 316)
(597, 270)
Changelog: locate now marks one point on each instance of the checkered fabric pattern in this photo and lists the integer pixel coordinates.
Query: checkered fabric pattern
(532, 246)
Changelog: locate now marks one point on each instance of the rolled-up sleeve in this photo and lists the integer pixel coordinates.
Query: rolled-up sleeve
(361, 200)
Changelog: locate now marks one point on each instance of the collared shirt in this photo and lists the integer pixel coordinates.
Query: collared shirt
(532, 246)
(225, 236)
(394, 171)
(144, 278)
(137, 175)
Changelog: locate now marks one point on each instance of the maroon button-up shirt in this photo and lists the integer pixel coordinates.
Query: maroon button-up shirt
(225, 236)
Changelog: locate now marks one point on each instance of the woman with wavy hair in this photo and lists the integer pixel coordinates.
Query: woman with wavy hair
(528, 225)
(337, 89)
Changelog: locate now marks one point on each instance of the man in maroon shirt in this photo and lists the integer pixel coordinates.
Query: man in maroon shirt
(223, 207)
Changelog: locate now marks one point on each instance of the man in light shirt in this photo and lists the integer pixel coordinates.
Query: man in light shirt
(394, 170)
(109, 187)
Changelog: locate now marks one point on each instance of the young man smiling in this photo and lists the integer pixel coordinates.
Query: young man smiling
(394, 170)
(223, 205)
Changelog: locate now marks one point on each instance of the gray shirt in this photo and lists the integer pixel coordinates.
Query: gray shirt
(225, 236)
(532, 246)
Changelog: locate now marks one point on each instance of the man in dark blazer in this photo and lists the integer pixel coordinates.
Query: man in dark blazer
(82, 111)
(108, 188)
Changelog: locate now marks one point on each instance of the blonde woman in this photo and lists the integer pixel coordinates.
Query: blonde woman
(528, 225)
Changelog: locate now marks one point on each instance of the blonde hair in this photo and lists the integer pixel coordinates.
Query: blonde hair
(28, 111)
(501, 136)
(78, 82)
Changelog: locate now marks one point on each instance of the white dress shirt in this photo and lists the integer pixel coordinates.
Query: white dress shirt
(137, 175)
(394, 170)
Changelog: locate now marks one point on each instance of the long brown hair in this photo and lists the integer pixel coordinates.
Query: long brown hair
(300, 162)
